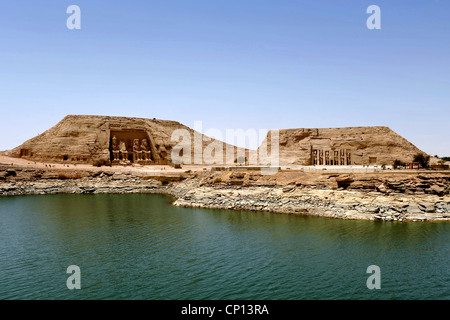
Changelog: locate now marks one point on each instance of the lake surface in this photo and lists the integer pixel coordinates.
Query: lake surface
(138, 246)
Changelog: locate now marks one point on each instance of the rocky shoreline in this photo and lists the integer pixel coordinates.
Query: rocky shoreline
(387, 197)
(327, 203)
(18, 182)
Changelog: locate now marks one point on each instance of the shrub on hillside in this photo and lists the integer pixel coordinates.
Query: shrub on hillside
(422, 159)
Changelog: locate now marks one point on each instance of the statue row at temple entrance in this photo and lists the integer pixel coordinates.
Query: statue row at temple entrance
(123, 152)
(331, 157)
(141, 151)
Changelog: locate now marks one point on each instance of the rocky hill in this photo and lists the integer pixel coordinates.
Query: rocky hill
(343, 146)
(91, 140)
(88, 139)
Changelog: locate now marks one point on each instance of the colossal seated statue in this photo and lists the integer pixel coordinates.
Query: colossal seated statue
(123, 150)
(162, 152)
(115, 148)
(145, 148)
(137, 153)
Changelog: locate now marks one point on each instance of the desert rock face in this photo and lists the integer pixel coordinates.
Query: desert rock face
(120, 140)
(342, 146)
(388, 197)
(383, 196)
(105, 140)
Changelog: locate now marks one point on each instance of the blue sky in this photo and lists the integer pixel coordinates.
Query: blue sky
(231, 64)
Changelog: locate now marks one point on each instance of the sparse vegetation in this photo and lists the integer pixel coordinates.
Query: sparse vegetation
(398, 164)
(422, 159)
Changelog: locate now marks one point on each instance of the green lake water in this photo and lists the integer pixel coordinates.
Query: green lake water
(138, 246)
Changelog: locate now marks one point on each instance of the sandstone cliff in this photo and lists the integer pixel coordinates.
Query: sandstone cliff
(87, 139)
(362, 145)
(90, 140)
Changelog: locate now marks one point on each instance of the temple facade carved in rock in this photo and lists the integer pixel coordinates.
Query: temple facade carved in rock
(103, 140)
(342, 146)
(129, 146)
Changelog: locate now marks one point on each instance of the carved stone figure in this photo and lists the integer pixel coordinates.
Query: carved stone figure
(137, 153)
(145, 148)
(115, 148)
(162, 152)
(123, 150)
(315, 158)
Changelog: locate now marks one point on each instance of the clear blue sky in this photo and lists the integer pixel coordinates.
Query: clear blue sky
(229, 63)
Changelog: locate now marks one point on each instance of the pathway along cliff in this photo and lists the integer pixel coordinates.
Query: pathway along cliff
(393, 196)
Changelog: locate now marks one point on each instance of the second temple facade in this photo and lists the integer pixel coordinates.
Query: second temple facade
(327, 157)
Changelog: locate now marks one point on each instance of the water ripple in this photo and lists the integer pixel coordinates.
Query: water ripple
(139, 247)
